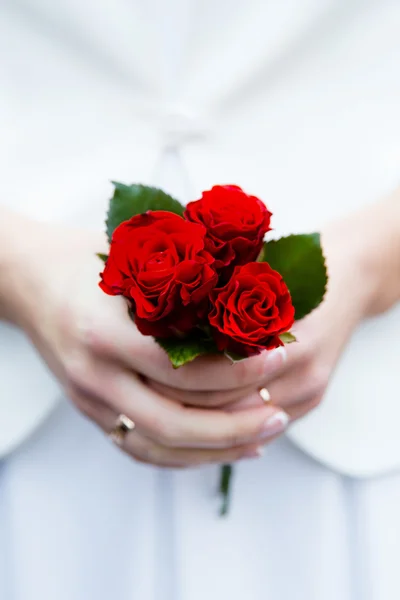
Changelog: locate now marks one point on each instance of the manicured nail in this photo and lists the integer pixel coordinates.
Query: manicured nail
(282, 352)
(274, 359)
(265, 395)
(254, 453)
(275, 424)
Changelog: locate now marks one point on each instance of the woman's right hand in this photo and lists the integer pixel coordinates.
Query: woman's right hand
(89, 342)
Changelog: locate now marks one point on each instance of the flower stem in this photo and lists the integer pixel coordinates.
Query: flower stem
(225, 488)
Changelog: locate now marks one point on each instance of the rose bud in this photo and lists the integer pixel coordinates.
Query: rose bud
(236, 224)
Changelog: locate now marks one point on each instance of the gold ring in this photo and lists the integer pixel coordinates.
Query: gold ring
(121, 429)
(265, 395)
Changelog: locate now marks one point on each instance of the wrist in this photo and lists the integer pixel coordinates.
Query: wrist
(380, 260)
(363, 252)
(35, 258)
(13, 230)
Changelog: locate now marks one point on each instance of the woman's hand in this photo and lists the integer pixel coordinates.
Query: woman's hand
(363, 258)
(48, 284)
(89, 342)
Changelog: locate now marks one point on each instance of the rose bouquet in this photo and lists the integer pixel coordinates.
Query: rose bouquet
(203, 280)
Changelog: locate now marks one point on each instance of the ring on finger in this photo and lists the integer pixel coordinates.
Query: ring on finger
(122, 427)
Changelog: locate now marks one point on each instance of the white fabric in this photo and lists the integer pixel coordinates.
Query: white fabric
(83, 521)
(22, 416)
(296, 101)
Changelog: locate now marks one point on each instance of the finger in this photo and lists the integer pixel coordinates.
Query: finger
(209, 399)
(297, 392)
(253, 400)
(294, 411)
(145, 450)
(294, 386)
(169, 423)
(298, 411)
(299, 386)
(119, 339)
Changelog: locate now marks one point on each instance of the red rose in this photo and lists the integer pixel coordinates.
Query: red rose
(158, 262)
(251, 311)
(236, 224)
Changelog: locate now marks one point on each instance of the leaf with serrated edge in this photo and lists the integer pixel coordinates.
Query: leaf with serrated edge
(183, 350)
(300, 261)
(131, 200)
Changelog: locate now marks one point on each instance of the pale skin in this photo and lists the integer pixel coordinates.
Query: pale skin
(209, 410)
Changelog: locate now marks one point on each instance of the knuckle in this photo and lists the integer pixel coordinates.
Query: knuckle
(76, 370)
(314, 402)
(85, 329)
(84, 375)
(93, 335)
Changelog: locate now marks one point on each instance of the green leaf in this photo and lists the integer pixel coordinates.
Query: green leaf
(183, 350)
(300, 261)
(102, 257)
(131, 200)
(287, 338)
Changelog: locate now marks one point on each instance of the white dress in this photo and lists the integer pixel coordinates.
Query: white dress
(296, 101)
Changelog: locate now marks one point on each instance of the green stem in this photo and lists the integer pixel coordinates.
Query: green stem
(225, 488)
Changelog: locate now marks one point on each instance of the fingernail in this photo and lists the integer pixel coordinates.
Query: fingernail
(275, 424)
(265, 395)
(254, 453)
(275, 359)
